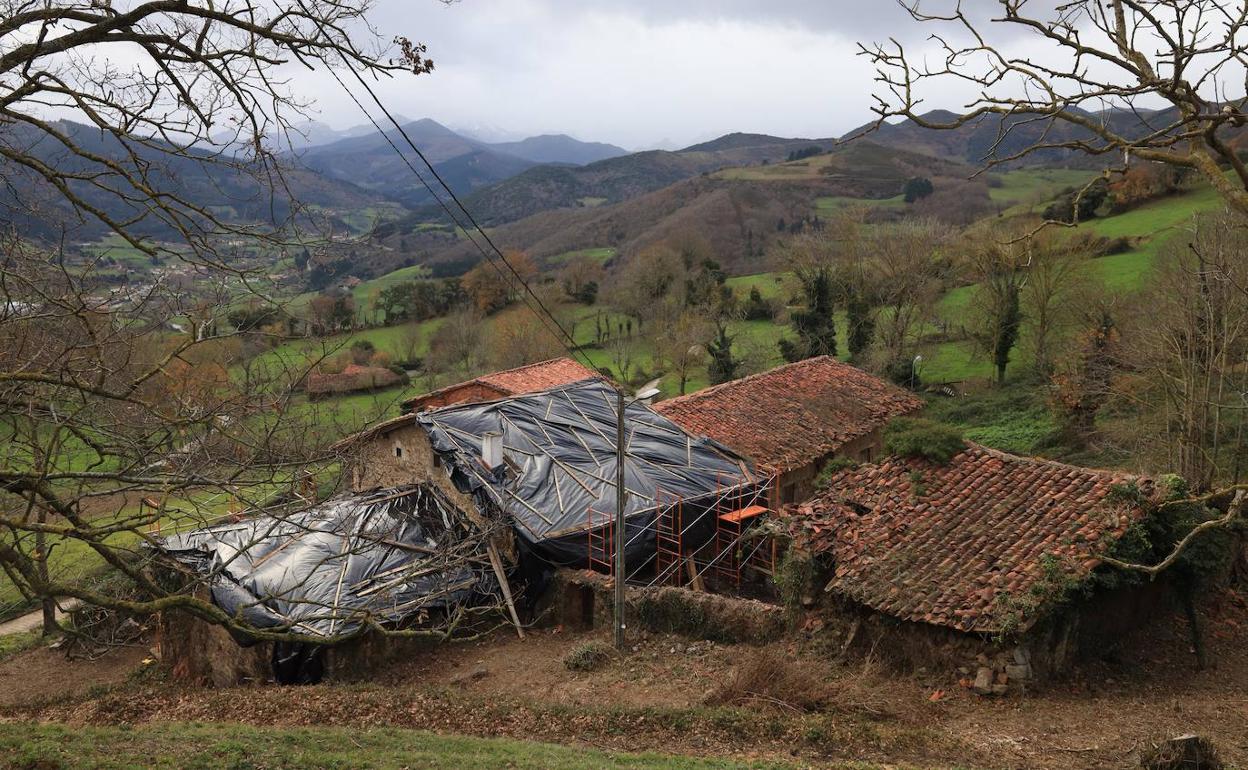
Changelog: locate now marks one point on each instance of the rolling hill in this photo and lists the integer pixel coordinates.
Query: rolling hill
(614, 180)
(976, 141)
(233, 192)
(559, 148)
(740, 211)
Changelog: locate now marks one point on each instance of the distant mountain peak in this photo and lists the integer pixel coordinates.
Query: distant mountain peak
(739, 139)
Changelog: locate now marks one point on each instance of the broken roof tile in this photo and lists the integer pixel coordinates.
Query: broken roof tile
(978, 534)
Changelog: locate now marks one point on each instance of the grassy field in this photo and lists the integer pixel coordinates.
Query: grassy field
(1146, 228)
(240, 747)
(363, 292)
(770, 285)
(601, 254)
(830, 204)
(1013, 419)
(1034, 186)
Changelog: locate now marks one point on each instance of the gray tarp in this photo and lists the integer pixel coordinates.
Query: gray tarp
(319, 572)
(560, 452)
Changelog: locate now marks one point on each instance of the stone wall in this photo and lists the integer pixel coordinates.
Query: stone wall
(583, 599)
(375, 464)
(202, 653)
(989, 664)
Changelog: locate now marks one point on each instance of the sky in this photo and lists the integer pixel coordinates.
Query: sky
(637, 73)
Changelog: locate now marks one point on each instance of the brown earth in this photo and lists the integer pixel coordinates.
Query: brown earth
(652, 699)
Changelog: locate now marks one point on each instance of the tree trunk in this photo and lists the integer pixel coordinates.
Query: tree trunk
(48, 604)
(1193, 624)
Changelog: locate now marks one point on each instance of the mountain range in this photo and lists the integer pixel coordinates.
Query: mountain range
(368, 161)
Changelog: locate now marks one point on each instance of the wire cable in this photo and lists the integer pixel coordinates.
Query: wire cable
(568, 342)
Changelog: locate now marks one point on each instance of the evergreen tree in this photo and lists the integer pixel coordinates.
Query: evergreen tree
(916, 188)
(1005, 330)
(860, 322)
(723, 365)
(815, 324)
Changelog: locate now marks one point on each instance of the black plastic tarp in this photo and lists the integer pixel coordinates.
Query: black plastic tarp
(558, 479)
(385, 556)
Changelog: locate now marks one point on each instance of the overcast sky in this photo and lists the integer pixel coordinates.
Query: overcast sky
(638, 73)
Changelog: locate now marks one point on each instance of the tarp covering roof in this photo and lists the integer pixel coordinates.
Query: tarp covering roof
(559, 449)
(384, 556)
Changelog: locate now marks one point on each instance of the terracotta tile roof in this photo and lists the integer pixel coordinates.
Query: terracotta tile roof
(351, 379)
(511, 382)
(787, 417)
(963, 544)
(531, 378)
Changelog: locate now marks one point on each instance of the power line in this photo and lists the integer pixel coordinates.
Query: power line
(573, 348)
(567, 341)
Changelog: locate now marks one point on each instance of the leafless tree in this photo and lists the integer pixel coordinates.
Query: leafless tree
(680, 342)
(1098, 72)
(907, 262)
(458, 344)
(1188, 349)
(1052, 277)
(124, 408)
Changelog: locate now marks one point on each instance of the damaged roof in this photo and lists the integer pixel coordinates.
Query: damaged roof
(529, 378)
(792, 415)
(969, 544)
(326, 570)
(559, 449)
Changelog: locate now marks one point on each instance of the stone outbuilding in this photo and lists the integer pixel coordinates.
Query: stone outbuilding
(982, 562)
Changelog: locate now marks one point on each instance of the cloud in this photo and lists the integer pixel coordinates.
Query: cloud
(637, 73)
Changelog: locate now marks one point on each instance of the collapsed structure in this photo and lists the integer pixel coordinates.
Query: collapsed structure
(968, 562)
(326, 571)
(447, 502)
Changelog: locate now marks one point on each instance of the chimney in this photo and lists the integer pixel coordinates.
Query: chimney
(492, 449)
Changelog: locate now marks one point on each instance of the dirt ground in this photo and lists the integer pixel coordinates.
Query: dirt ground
(653, 698)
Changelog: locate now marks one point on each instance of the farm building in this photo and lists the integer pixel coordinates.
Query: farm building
(528, 481)
(980, 549)
(353, 379)
(510, 382)
(791, 420)
(548, 461)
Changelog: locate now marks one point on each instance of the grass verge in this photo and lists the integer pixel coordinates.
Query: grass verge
(241, 747)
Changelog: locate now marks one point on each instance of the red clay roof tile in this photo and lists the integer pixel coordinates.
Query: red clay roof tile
(529, 378)
(947, 544)
(789, 416)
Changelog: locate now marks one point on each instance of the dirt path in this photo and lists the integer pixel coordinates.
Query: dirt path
(33, 620)
(653, 699)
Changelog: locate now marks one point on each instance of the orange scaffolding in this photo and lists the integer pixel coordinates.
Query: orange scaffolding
(730, 530)
(669, 550)
(601, 534)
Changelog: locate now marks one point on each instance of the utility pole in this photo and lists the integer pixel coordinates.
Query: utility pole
(619, 521)
(621, 496)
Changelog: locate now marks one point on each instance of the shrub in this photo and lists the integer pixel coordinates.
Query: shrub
(794, 576)
(770, 677)
(589, 656)
(916, 188)
(361, 352)
(917, 437)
